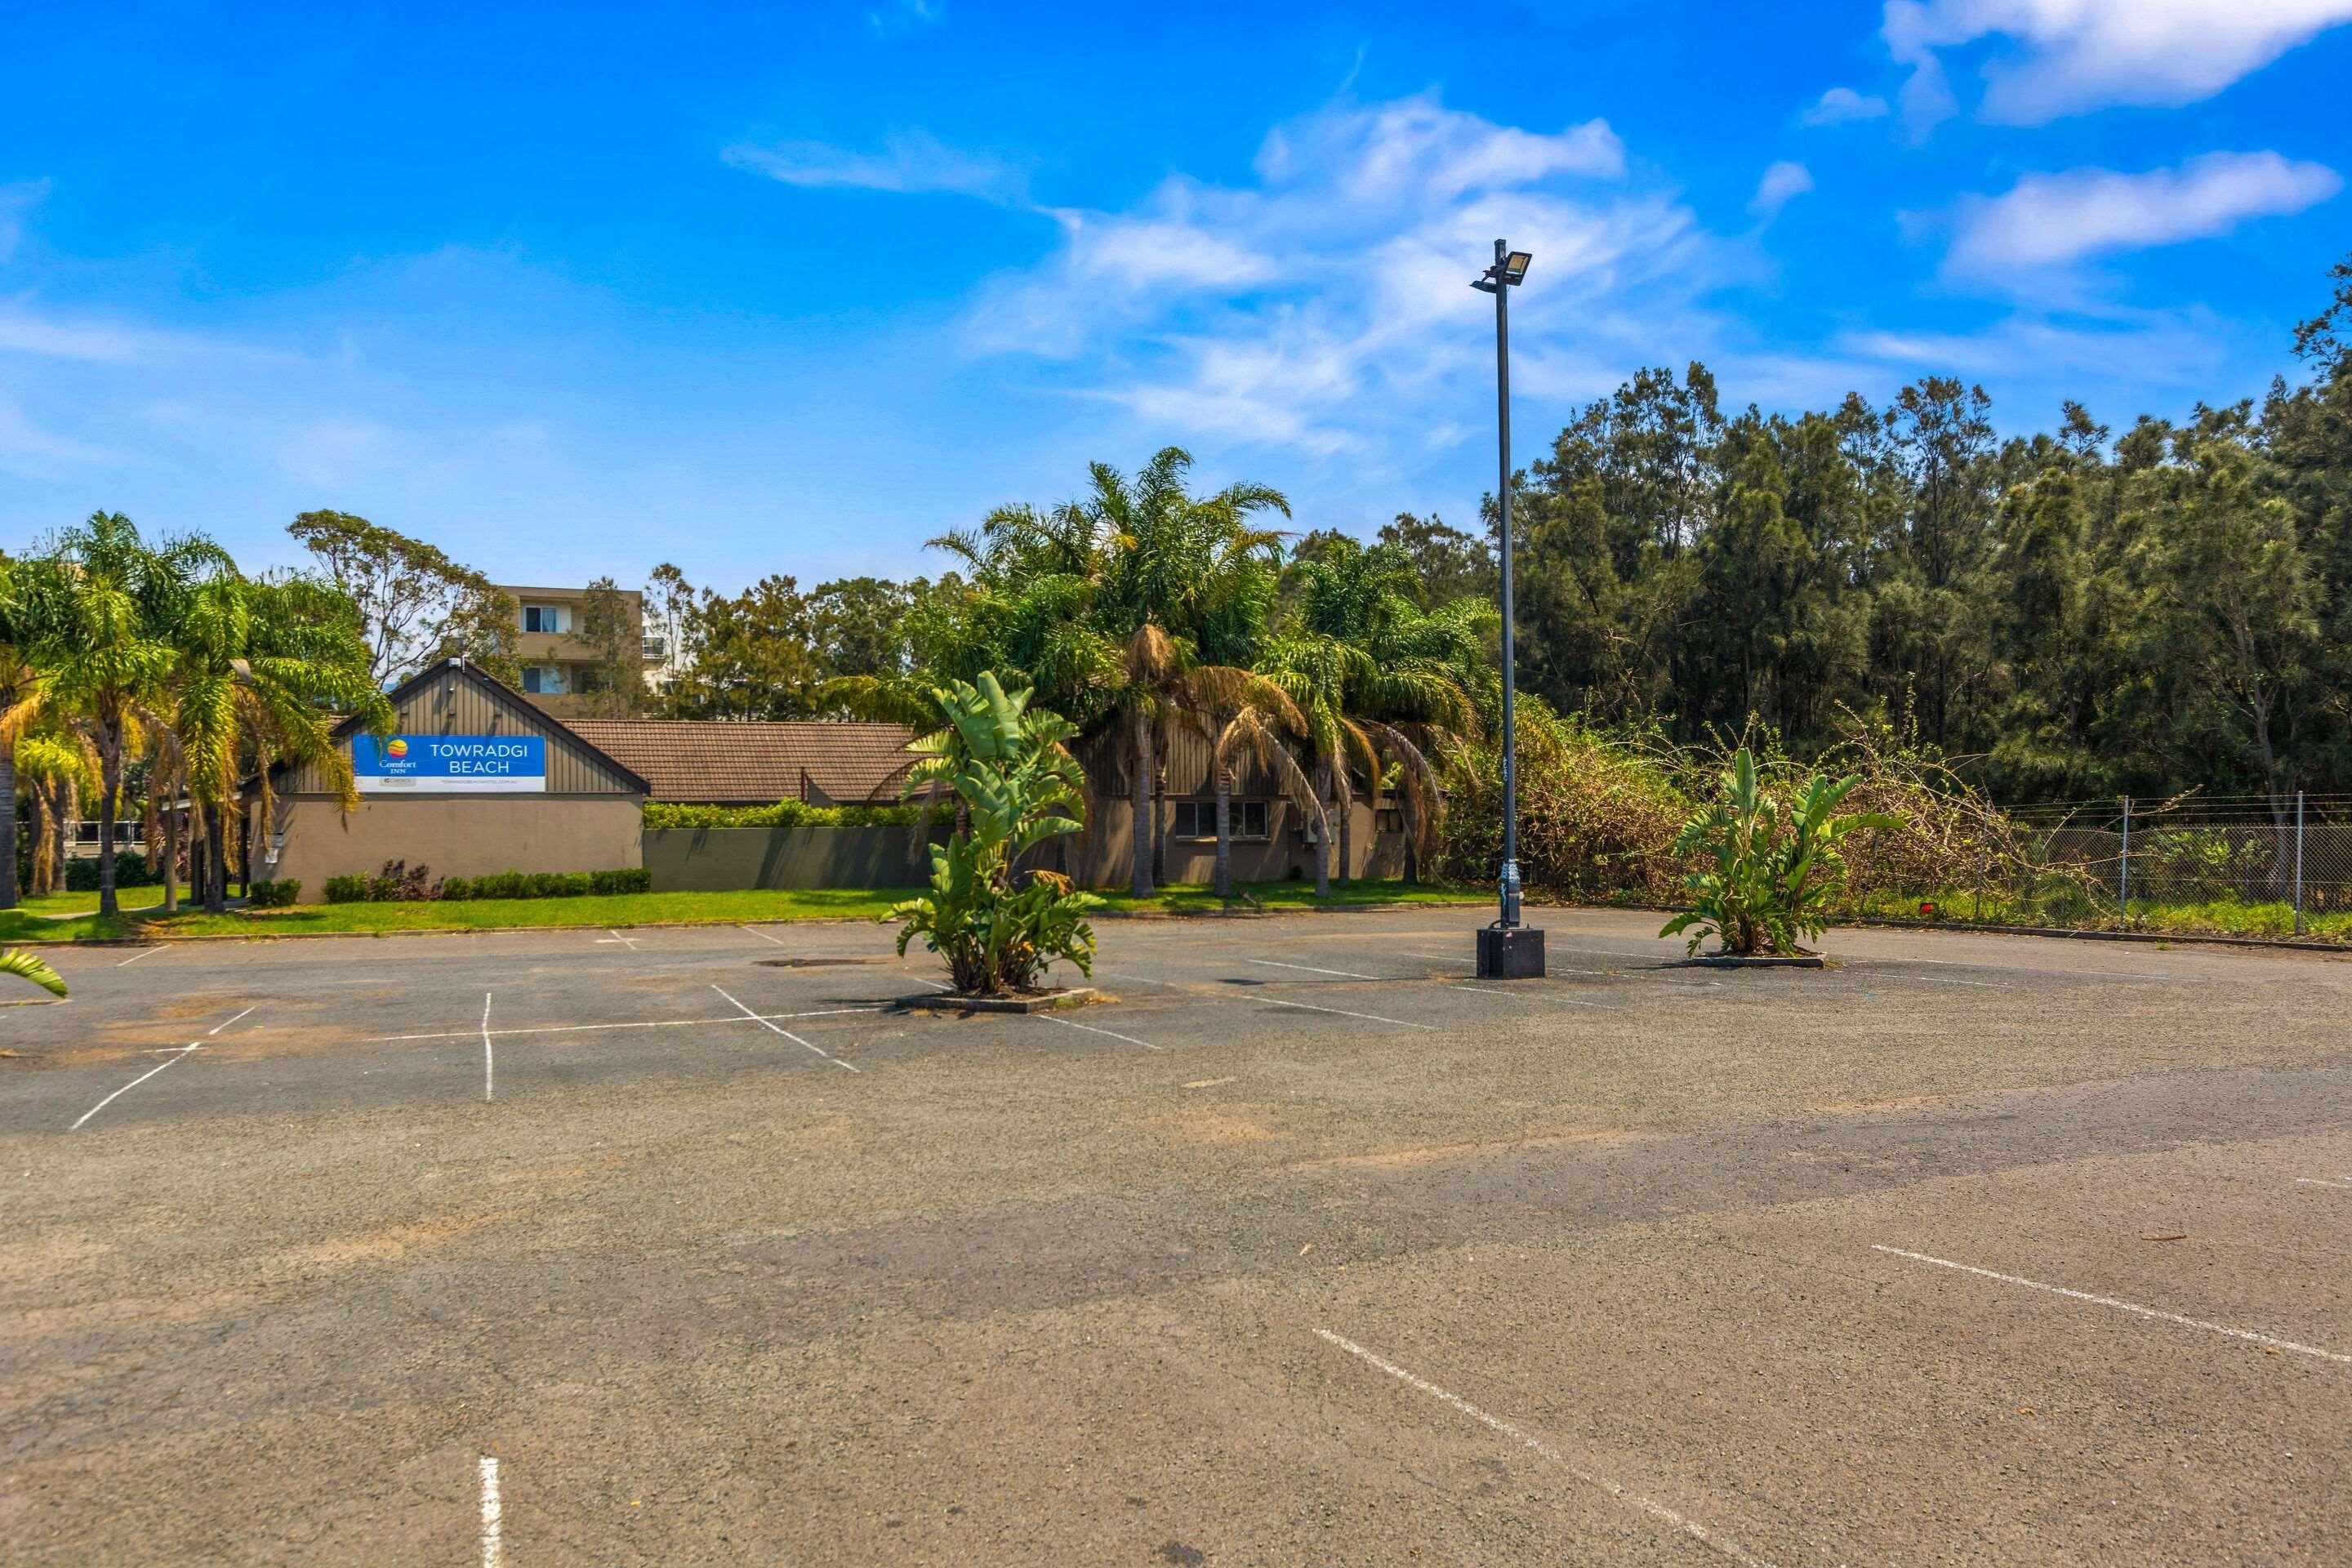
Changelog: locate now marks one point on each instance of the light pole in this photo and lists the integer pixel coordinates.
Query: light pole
(1508, 950)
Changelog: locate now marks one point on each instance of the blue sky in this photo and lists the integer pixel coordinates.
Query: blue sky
(582, 288)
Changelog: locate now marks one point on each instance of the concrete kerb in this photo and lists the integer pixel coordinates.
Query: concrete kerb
(1044, 1002)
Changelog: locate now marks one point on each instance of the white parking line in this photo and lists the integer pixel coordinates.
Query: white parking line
(1545, 996)
(763, 936)
(1090, 1029)
(1946, 980)
(657, 1024)
(2085, 974)
(1657, 1511)
(486, 1046)
(135, 957)
(786, 1033)
(612, 936)
(1342, 1012)
(493, 1515)
(1310, 969)
(179, 1053)
(2121, 1306)
(2316, 1182)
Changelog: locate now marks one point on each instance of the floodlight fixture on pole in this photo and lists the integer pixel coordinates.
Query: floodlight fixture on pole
(1508, 950)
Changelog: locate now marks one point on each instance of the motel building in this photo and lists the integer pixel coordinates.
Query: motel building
(473, 779)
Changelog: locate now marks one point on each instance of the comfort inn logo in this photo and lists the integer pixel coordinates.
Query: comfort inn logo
(395, 747)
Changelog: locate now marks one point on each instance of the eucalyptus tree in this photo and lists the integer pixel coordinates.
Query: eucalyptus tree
(104, 615)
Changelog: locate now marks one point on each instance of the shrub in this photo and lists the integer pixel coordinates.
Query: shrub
(1014, 775)
(549, 884)
(273, 895)
(783, 814)
(1766, 872)
(397, 883)
(130, 870)
(350, 889)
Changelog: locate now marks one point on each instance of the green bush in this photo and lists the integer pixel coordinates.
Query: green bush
(350, 889)
(995, 929)
(549, 884)
(783, 814)
(1766, 871)
(130, 870)
(273, 895)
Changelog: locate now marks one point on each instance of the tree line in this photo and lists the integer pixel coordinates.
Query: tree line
(153, 671)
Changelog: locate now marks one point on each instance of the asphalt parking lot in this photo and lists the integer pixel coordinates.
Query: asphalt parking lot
(684, 1245)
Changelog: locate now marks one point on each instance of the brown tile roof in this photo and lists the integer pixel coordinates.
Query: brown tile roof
(719, 761)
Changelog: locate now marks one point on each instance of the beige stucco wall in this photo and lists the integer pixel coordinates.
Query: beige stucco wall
(454, 834)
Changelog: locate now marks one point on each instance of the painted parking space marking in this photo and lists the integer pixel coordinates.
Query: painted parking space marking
(1310, 969)
(1342, 1012)
(2320, 1181)
(486, 1048)
(143, 952)
(178, 1053)
(1473, 963)
(613, 936)
(2012, 969)
(1091, 1029)
(1948, 980)
(763, 936)
(782, 1030)
(1714, 1540)
(494, 1553)
(654, 1023)
(2133, 1308)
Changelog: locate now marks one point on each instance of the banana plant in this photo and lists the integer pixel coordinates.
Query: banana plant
(25, 966)
(1767, 870)
(996, 927)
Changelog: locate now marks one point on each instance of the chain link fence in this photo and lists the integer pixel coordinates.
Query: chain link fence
(2256, 865)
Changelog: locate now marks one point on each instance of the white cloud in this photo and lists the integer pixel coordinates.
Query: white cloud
(2069, 56)
(1840, 104)
(2050, 220)
(1325, 307)
(1782, 182)
(2173, 349)
(911, 163)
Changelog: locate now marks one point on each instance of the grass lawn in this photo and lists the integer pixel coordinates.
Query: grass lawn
(29, 924)
(87, 903)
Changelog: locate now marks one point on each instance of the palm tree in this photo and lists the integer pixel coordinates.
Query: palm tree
(1244, 716)
(1184, 581)
(264, 670)
(102, 613)
(15, 679)
(59, 771)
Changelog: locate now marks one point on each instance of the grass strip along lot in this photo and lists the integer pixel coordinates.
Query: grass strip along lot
(69, 917)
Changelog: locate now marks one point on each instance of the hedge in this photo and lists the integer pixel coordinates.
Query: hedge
(130, 870)
(783, 814)
(397, 883)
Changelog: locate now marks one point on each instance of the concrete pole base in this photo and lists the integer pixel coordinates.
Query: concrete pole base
(1510, 952)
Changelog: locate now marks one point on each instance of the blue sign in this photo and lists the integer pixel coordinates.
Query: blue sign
(449, 765)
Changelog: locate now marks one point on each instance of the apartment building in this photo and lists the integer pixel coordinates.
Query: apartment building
(559, 667)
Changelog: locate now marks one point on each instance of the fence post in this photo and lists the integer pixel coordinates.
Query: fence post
(2298, 862)
(2123, 871)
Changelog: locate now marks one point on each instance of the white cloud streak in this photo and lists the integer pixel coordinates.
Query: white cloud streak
(911, 163)
(1325, 307)
(1782, 182)
(2071, 55)
(2052, 220)
(1840, 105)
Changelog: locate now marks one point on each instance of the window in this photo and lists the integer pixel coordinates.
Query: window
(1197, 819)
(544, 679)
(545, 618)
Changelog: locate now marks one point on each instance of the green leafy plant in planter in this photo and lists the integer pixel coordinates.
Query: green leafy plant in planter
(1767, 870)
(997, 928)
